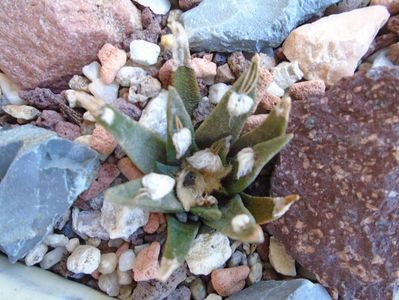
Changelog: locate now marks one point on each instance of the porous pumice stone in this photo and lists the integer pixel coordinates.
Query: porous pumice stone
(344, 163)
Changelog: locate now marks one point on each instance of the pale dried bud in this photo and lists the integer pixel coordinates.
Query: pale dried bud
(240, 222)
(246, 161)
(281, 205)
(206, 160)
(182, 141)
(107, 116)
(158, 185)
(239, 104)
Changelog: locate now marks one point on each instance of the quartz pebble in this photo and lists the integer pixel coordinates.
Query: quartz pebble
(121, 221)
(53, 257)
(84, 259)
(281, 261)
(331, 47)
(10, 90)
(106, 92)
(56, 240)
(124, 277)
(208, 252)
(112, 59)
(213, 297)
(36, 255)
(108, 263)
(217, 91)
(286, 74)
(23, 112)
(274, 90)
(88, 224)
(130, 75)
(72, 244)
(146, 266)
(229, 281)
(92, 70)
(144, 53)
(159, 7)
(126, 260)
(108, 283)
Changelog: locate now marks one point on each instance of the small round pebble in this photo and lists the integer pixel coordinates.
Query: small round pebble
(108, 263)
(198, 289)
(56, 240)
(108, 283)
(229, 281)
(213, 297)
(144, 53)
(124, 278)
(36, 255)
(235, 259)
(53, 257)
(84, 259)
(126, 260)
(255, 275)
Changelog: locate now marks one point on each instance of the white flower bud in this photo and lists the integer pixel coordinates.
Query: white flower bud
(206, 160)
(108, 116)
(240, 222)
(182, 141)
(239, 104)
(246, 161)
(158, 185)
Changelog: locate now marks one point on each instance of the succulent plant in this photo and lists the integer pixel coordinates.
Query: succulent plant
(203, 172)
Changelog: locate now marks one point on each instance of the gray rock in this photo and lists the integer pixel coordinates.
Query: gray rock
(296, 289)
(248, 25)
(40, 176)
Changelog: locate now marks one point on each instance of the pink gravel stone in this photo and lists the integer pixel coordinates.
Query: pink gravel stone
(112, 59)
(253, 122)
(44, 43)
(152, 224)
(229, 281)
(128, 169)
(146, 266)
(102, 141)
(306, 89)
(67, 130)
(165, 73)
(204, 69)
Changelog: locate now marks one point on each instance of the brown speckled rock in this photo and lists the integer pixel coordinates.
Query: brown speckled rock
(344, 162)
(44, 43)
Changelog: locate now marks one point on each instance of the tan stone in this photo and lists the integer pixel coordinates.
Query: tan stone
(128, 169)
(44, 43)
(331, 47)
(146, 266)
(306, 89)
(112, 59)
(229, 281)
(224, 74)
(204, 69)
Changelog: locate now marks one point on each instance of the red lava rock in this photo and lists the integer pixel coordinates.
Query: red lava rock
(102, 141)
(229, 281)
(343, 161)
(306, 89)
(188, 4)
(393, 24)
(146, 266)
(49, 118)
(45, 42)
(112, 59)
(253, 122)
(42, 98)
(266, 103)
(152, 224)
(238, 63)
(106, 175)
(165, 73)
(67, 130)
(128, 169)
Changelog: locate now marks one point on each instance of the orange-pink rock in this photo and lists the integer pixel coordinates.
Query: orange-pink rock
(46, 42)
(306, 89)
(112, 59)
(253, 122)
(146, 266)
(229, 281)
(152, 224)
(128, 169)
(102, 141)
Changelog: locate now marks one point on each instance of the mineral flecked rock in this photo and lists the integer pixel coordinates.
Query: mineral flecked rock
(248, 25)
(332, 47)
(44, 43)
(40, 176)
(344, 163)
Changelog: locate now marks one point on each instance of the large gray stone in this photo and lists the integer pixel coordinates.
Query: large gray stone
(40, 176)
(248, 25)
(297, 289)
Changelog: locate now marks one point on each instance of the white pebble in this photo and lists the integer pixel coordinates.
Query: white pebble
(208, 252)
(84, 259)
(213, 297)
(158, 185)
(72, 244)
(126, 260)
(108, 283)
(124, 278)
(275, 90)
(106, 92)
(217, 91)
(159, 7)
(53, 257)
(10, 90)
(108, 263)
(286, 74)
(144, 53)
(23, 112)
(130, 75)
(281, 261)
(36, 255)
(92, 70)
(56, 240)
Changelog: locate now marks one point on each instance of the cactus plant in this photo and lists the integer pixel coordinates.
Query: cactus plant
(201, 171)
